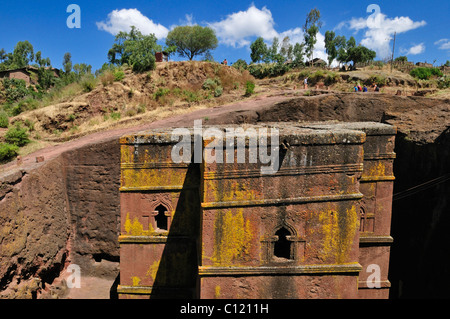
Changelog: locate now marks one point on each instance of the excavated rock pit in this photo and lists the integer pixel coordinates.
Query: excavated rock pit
(65, 210)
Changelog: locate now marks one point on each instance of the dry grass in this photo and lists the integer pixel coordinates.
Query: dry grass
(70, 112)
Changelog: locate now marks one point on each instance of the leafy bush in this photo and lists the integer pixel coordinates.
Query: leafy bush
(214, 86)
(119, 75)
(211, 84)
(14, 89)
(316, 77)
(161, 92)
(17, 135)
(190, 96)
(379, 80)
(24, 105)
(88, 83)
(425, 73)
(116, 116)
(7, 151)
(331, 78)
(4, 120)
(249, 88)
(218, 91)
(444, 82)
(261, 71)
(240, 65)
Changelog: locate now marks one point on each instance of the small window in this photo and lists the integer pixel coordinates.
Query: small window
(282, 247)
(161, 217)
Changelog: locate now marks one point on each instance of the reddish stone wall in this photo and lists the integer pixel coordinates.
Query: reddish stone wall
(35, 228)
(92, 181)
(66, 211)
(312, 202)
(20, 75)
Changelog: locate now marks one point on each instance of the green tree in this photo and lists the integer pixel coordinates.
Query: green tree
(286, 49)
(17, 135)
(6, 59)
(273, 54)
(330, 46)
(240, 64)
(447, 63)
(142, 53)
(22, 55)
(46, 77)
(81, 69)
(42, 62)
(401, 59)
(2, 55)
(67, 63)
(134, 49)
(341, 46)
(191, 41)
(360, 54)
(259, 50)
(298, 53)
(310, 29)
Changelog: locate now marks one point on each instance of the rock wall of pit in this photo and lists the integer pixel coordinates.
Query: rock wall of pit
(66, 210)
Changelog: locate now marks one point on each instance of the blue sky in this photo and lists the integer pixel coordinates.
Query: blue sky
(422, 26)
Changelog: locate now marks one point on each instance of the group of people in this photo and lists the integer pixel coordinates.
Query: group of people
(359, 88)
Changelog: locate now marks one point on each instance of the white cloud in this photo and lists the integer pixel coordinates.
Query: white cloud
(444, 44)
(417, 49)
(240, 28)
(237, 28)
(122, 20)
(295, 35)
(380, 30)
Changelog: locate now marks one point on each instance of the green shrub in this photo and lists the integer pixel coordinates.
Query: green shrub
(119, 75)
(88, 83)
(425, 73)
(24, 105)
(161, 92)
(331, 78)
(240, 65)
(261, 71)
(190, 96)
(444, 82)
(4, 120)
(116, 116)
(211, 84)
(141, 108)
(316, 77)
(214, 86)
(249, 88)
(7, 151)
(379, 80)
(218, 91)
(14, 89)
(17, 135)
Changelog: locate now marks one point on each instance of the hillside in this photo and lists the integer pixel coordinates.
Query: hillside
(175, 88)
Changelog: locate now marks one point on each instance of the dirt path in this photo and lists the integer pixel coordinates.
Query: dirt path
(218, 112)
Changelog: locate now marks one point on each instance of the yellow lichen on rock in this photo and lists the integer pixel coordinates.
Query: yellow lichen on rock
(234, 238)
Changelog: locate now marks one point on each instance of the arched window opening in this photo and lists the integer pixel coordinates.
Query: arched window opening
(362, 216)
(282, 247)
(161, 218)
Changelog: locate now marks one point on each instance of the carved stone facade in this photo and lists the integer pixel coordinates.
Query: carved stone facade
(318, 226)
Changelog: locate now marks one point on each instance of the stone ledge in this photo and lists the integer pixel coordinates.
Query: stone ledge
(275, 270)
(286, 201)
